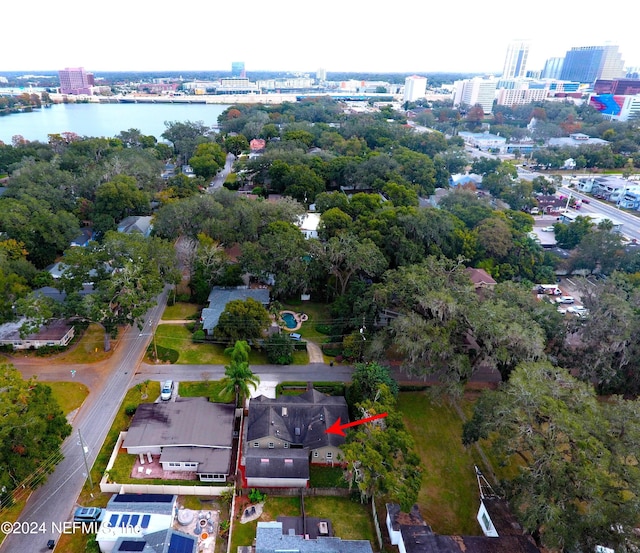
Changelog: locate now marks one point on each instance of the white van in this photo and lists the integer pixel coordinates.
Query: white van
(167, 390)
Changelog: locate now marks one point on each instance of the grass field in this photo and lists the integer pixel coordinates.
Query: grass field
(177, 337)
(351, 520)
(181, 311)
(70, 395)
(448, 499)
(204, 388)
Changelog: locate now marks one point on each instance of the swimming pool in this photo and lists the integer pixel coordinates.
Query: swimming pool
(289, 320)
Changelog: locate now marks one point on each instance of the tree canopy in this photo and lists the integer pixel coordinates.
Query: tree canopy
(32, 431)
(577, 476)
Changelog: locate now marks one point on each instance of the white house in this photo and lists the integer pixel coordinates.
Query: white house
(308, 225)
(134, 516)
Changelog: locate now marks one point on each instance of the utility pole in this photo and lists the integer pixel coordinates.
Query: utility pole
(84, 456)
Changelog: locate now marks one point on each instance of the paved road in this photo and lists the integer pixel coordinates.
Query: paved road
(630, 222)
(53, 503)
(219, 179)
(279, 373)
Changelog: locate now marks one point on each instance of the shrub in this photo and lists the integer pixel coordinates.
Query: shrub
(130, 410)
(279, 349)
(198, 336)
(324, 328)
(256, 496)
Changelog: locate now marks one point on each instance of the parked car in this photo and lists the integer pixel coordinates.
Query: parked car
(547, 229)
(578, 311)
(167, 390)
(295, 336)
(565, 299)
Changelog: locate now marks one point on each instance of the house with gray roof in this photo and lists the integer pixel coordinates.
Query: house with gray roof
(220, 296)
(190, 434)
(276, 428)
(55, 333)
(278, 468)
(271, 539)
(164, 541)
(577, 139)
(136, 224)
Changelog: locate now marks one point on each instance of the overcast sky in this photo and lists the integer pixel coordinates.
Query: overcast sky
(286, 35)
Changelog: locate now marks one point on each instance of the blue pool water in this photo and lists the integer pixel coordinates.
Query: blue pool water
(289, 320)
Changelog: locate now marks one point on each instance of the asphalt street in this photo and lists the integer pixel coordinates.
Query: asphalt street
(52, 503)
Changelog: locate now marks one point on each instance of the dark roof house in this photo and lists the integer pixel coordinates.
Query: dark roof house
(283, 434)
(190, 434)
(299, 420)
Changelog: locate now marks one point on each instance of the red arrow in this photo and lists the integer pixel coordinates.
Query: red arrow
(336, 427)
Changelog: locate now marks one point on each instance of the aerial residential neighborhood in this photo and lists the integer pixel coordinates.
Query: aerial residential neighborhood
(275, 311)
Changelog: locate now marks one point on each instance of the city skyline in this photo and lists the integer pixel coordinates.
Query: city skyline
(280, 36)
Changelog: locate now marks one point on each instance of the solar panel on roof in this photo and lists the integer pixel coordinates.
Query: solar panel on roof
(124, 521)
(133, 521)
(180, 544)
(145, 521)
(113, 520)
(142, 498)
(130, 545)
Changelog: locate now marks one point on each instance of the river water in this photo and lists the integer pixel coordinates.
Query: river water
(106, 120)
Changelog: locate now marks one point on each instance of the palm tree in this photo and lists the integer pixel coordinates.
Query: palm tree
(239, 353)
(238, 378)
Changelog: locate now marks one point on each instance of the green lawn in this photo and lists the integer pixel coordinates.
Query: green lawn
(448, 498)
(351, 519)
(70, 395)
(208, 388)
(244, 534)
(88, 348)
(326, 477)
(177, 337)
(180, 311)
(317, 313)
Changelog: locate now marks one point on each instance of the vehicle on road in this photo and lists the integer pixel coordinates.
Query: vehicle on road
(547, 229)
(578, 311)
(167, 390)
(551, 289)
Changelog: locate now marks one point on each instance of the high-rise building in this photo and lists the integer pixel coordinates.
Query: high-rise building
(585, 64)
(238, 70)
(415, 87)
(476, 91)
(553, 68)
(515, 64)
(74, 80)
(321, 74)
